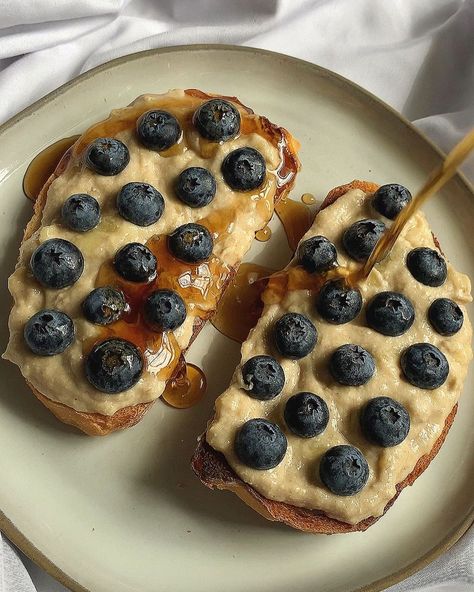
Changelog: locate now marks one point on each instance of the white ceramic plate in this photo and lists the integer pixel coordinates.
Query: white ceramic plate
(125, 513)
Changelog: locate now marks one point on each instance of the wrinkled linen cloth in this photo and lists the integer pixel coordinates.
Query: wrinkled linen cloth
(418, 56)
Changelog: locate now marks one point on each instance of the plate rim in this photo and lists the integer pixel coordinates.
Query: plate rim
(6, 526)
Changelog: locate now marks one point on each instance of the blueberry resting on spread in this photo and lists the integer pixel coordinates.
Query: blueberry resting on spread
(427, 266)
(114, 365)
(49, 332)
(217, 120)
(260, 444)
(135, 263)
(306, 414)
(57, 263)
(191, 243)
(158, 130)
(317, 254)
(385, 421)
(164, 310)
(244, 169)
(140, 203)
(389, 200)
(360, 238)
(81, 212)
(295, 335)
(390, 313)
(344, 470)
(107, 156)
(104, 305)
(337, 303)
(196, 187)
(263, 377)
(424, 366)
(445, 316)
(352, 365)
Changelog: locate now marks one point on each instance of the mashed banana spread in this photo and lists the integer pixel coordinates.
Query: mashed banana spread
(295, 480)
(232, 217)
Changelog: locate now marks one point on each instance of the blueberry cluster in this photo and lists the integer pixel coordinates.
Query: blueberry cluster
(385, 422)
(115, 365)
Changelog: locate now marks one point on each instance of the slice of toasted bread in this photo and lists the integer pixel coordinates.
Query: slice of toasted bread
(214, 471)
(259, 132)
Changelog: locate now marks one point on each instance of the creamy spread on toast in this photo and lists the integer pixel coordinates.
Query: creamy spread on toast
(231, 218)
(296, 476)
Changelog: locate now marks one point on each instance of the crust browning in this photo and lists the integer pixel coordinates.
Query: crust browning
(213, 470)
(97, 424)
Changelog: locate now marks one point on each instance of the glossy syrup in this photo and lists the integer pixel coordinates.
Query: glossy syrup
(43, 166)
(296, 218)
(264, 234)
(241, 305)
(187, 388)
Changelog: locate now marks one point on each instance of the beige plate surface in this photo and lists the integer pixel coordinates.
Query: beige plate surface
(125, 513)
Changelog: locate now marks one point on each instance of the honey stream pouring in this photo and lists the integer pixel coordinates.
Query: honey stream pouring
(435, 182)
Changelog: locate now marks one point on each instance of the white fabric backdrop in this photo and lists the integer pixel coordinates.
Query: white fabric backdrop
(417, 55)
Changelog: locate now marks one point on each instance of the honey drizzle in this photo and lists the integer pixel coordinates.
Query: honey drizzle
(43, 166)
(433, 184)
(296, 219)
(264, 234)
(241, 305)
(187, 388)
(308, 199)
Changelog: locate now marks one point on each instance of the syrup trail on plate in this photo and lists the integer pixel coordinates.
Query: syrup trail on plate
(43, 165)
(187, 388)
(241, 305)
(308, 199)
(296, 219)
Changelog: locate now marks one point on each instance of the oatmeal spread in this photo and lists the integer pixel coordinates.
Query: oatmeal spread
(295, 479)
(232, 218)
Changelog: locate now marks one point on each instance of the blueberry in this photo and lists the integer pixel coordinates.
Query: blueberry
(164, 310)
(389, 200)
(260, 444)
(446, 316)
(140, 203)
(360, 238)
(263, 377)
(104, 305)
(352, 365)
(196, 187)
(135, 263)
(390, 313)
(158, 130)
(114, 365)
(317, 254)
(49, 332)
(306, 414)
(385, 421)
(424, 366)
(81, 212)
(427, 266)
(295, 335)
(337, 303)
(191, 243)
(217, 120)
(57, 263)
(344, 470)
(107, 156)
(244, 169)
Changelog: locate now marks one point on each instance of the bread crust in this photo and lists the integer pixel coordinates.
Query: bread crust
(97, 424)
(214, 471)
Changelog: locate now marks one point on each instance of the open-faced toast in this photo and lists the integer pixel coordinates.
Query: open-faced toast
(249, 164)
(294, 487)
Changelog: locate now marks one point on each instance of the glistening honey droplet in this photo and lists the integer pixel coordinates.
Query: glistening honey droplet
(308, 199)
(187, 388)
(264, 234)
(43, 165)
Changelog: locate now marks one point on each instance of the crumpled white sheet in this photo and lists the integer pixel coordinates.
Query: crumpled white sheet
(418, 56)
